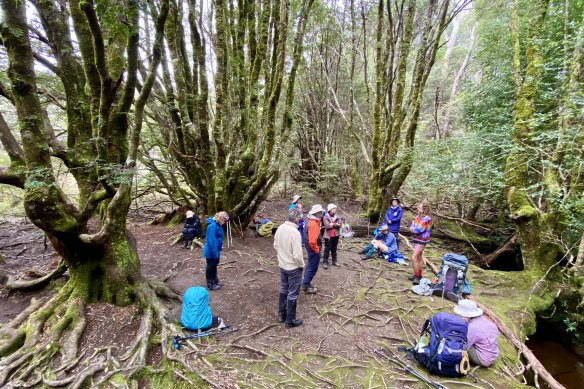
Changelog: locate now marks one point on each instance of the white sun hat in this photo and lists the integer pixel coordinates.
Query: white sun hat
(468, 308)
(316, 209)
(330, 206)
(190, 214)
(296, 198)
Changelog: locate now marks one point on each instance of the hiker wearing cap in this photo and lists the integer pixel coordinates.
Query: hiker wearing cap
(332, 233)
(213, 247)
(393, 217)
(482, 338)
(420, 229)
(313, 244)
(288, 245)
(384, 242)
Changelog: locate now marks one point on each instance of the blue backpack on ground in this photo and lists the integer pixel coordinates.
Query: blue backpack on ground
(442, 345)
(196, 313)
(452, 275)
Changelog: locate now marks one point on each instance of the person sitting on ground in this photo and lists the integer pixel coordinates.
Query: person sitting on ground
(196, 312)
(191, 228)
(288, 245)
(332, 233)
(420, 229)
(257, 221)
(213, 247)
(313, 244)
(384, 243)
(482, 338)
(393, 217)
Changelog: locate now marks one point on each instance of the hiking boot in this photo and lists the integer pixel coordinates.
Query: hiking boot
(325, 265)
(366, 257)
(309, 289)
(291, 320)
(282, 307)
(336, 264)
(213, 286)
(415, 279)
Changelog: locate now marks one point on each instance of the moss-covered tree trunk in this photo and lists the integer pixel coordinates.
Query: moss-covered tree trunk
(396, 110)
(536, 226)
(230, 162)
(103, 263)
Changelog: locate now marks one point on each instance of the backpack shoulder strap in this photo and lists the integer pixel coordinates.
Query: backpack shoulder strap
(425, 327)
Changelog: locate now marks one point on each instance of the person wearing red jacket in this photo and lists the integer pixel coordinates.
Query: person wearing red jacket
(313, 243)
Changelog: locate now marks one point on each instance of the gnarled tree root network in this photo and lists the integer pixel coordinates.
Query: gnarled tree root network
(41, 346)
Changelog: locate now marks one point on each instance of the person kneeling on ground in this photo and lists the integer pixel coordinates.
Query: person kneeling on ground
(196, 312)
(384, 243)
(483, 334)
(288, 245)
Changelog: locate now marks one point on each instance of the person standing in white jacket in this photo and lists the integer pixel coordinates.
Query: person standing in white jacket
(288, 245)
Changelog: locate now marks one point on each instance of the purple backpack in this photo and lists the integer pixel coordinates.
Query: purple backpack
(445, 353)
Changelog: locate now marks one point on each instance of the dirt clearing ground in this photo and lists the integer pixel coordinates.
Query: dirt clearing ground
(360, 306)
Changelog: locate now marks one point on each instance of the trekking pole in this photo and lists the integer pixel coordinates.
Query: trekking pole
(411, 370)
(215, 331)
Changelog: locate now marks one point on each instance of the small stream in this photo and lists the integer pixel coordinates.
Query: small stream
(562, 357)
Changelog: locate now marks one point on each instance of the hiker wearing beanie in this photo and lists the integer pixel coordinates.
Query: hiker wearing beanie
(313, 244)
(482, 338)
(420, 229)
(291, 263)
(213, 247)
(191, 228)
(332, 232)
(393, 217)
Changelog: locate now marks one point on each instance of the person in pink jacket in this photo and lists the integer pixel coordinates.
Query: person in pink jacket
(332, 233)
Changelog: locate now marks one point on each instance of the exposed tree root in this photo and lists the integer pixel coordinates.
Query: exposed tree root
(41, 346)
(13, 284)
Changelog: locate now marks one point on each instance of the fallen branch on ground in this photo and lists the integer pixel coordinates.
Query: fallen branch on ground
(534, 363)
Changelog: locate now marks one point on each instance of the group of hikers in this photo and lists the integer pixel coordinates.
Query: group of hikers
(296, 275)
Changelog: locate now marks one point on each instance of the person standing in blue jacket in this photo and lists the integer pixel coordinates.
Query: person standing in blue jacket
(213, 247)
(393, 217)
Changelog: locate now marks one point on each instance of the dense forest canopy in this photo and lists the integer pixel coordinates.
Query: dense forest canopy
(476, 106)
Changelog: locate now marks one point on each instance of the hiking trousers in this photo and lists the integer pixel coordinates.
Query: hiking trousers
(311, 267)
(330, 245)
(290, 281)
(211, 271)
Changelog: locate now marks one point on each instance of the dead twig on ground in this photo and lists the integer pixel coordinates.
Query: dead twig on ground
(253, 333)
